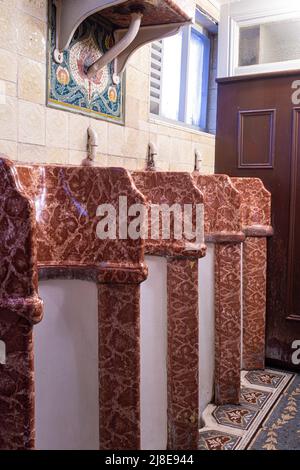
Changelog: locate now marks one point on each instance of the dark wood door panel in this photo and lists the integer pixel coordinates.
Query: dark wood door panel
(293, 285)
(256, 138)
(258, 135)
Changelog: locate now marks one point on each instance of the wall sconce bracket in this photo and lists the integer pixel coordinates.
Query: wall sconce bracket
(145, 21)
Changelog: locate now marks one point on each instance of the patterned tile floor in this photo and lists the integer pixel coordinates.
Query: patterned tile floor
(231, 427)
(280, 430)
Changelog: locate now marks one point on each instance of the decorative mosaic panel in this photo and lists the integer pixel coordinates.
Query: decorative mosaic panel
(68, 85)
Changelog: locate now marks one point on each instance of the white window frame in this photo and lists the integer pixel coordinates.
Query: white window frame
(256, 19)
(186, 34)
(185, 57)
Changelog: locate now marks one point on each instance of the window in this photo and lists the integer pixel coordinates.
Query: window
(273, 42)
(180, 70)
(261, 42)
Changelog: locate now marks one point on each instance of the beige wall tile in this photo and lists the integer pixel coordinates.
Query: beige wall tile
(132, 164)
(207, 170)
(101, 160)
(171, 129)
(203, 137)
(188, 6)
(144, 126)
(32, 80)
(57, 155)
(57, 128)
(175, 166)
(153, 128)
(137, 112)
(153, 138)
(182, 151)
(37, 8)
(101, 127)
(8, 65)
(140, 59)
(137, 84)
(113, 161)
(162, 165)
(8, 26)
(144, 58)
(115, 139)
(8, 4)
(9, 149)
(32, 37)
(76, 157)
(78, 126)
(32, 153)
(32, 123)
(141, 164)
(207, 153)
(164, 148)
(132, 112)
(46, 134)
(135, 143)
(162, 159)
(9, 119)
(7, 89)
(10, 89)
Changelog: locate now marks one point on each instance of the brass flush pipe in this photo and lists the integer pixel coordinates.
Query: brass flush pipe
(111, 54)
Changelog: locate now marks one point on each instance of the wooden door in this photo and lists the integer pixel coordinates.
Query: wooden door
(258, 135)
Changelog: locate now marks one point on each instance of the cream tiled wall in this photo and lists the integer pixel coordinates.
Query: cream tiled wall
(32, 132)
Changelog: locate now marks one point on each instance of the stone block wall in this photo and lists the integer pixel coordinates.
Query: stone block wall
(32, 132)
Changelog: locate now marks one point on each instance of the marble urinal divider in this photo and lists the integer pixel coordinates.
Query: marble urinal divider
(256, 222)
(58, 239)
(182, 310)
(223, 228)
(20, 309)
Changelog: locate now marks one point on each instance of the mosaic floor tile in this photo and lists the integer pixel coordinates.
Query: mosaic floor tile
(235, 416)
(215, 440)
(264, 378)
(233, 427)
(280, 431)
(255, 398)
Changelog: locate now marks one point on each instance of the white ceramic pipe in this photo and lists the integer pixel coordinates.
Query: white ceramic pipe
(111, 54)
(152, 155)
(92, 146)
(2, 352)
(198, 160)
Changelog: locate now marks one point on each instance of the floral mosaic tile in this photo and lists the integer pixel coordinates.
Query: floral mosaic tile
(233, 427)
(217, 440)
(264, 378)
(252, 397)
(235, 416)
(68, 86)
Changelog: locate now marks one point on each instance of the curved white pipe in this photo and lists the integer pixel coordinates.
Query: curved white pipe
(152, 153)
(111, 54)
(198, 160)
(92, 146)
(2, 353)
